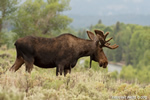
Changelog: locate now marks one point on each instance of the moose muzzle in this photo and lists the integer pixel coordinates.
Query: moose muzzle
(103, 64)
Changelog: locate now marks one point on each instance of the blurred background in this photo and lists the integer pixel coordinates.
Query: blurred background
(127, 21)
(87, 12)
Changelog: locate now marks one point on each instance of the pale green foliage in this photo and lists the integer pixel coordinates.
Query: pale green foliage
(81, 84)
(114, 75)
(127, 72)
(41, 17)
(131, 74)
(8, 39)
(7, 7)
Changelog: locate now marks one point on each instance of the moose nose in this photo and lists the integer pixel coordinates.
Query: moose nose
(103, 64)
(100, 65)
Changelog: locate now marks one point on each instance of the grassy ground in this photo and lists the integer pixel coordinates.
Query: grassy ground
(81, 84)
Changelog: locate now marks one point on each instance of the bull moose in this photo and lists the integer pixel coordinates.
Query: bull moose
(61, 52)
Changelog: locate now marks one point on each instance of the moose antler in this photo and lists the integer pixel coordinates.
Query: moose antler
(102, 38)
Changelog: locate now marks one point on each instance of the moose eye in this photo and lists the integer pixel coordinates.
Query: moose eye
(100, 43)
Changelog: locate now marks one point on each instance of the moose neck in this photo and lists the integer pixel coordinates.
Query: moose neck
(87, 48)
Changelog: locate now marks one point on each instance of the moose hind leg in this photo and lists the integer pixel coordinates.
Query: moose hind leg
(67, 71)
(29, 65)
(18, 63)
(59, 69)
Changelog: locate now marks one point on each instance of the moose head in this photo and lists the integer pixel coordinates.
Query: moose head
(100, 40)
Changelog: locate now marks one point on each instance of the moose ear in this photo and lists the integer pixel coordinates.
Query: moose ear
(99, 32)
(91, 35)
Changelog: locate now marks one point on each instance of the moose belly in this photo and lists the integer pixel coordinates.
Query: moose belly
(44, 64)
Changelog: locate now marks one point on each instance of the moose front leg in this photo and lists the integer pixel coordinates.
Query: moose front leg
(57, 70)
(61, 69)
(90, 61)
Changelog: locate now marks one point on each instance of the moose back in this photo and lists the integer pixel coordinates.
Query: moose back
(61, 52)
